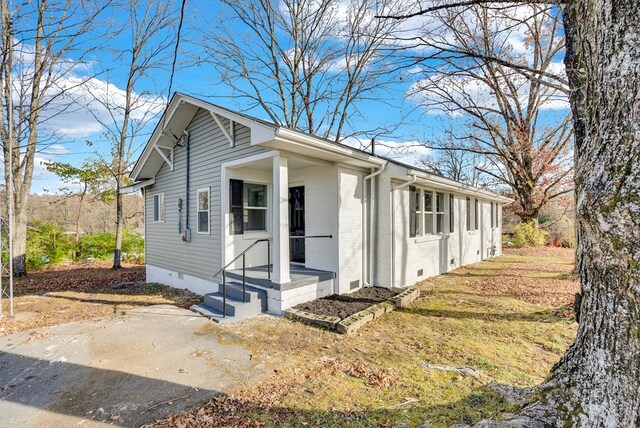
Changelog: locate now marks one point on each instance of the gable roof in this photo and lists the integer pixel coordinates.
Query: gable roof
(182, 109)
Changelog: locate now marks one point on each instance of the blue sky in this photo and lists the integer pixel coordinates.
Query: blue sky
(202, 81)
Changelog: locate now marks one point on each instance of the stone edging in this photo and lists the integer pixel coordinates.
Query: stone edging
(354, 322)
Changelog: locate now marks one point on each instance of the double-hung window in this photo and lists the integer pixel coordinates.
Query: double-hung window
(428, 212)
(439, 212)
(415, 211)
(158, 207)
(248, 207)
(476, 215)
(255, 207)
(452, 219)
(203, 210)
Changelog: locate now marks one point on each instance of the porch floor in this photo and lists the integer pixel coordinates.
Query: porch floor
(300, 276)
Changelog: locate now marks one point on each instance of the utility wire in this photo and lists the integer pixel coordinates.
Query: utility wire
(175, 52)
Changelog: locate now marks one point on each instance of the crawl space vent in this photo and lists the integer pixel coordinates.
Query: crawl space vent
(354, 284)
(420, 272)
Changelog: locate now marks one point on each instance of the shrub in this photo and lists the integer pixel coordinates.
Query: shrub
(100, 246)
(47, 243)
(133, 247)
(528, 235)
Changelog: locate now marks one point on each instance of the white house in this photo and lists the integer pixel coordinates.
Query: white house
(301, 216)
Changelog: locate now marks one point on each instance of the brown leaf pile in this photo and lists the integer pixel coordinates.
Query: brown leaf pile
(528, 283)
(379, 378)
(547, 251)
(78, 277)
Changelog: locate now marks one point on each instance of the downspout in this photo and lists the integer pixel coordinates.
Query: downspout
(414, 177)
(186, 234)
(367, 229)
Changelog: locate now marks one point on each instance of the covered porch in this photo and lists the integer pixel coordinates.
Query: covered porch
(278, 227)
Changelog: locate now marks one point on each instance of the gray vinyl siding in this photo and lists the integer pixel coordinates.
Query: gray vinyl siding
(209, 149)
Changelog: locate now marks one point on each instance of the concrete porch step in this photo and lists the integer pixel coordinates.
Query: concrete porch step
(212, 307)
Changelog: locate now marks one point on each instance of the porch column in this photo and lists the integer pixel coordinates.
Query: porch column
(280, 226)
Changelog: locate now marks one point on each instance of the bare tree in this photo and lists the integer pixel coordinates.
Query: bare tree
(456, 164)
(47, 40)
(306, 63)
(504, 110)
(596, 382)
(150, 28)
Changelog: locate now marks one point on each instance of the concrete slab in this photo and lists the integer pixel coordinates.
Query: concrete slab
(116, 371)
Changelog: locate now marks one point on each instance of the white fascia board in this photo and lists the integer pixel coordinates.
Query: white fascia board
(447, 184)
(287, 136)
(155, 136)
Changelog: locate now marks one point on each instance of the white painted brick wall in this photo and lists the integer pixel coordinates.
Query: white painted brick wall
(349, 229)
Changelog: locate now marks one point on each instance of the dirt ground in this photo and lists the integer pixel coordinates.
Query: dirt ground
(69, 293)
(344, 305)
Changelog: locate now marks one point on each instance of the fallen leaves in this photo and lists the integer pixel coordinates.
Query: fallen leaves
(77, 277)
(66, 293)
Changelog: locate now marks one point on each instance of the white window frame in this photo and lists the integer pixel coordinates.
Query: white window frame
(422, 213)
(451, 213)
(426, 213)
(208, 211)
(437, 213)
(161, 208)
(246, 207)
(476, 214)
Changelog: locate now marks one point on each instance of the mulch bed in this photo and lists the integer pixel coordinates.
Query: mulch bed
(344, 305)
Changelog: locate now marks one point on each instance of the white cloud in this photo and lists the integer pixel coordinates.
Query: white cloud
(87, 104)
(77, 105)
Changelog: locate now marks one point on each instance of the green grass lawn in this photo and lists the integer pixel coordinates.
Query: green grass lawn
(508, 318)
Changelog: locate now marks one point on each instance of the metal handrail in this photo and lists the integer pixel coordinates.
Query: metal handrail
(241, 254)
(244, 269)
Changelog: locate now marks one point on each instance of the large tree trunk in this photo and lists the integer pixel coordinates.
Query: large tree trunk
(597, 382)
(601, 371)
